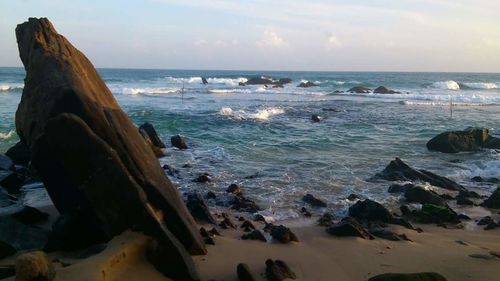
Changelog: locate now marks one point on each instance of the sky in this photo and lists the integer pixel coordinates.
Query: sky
(311, 35)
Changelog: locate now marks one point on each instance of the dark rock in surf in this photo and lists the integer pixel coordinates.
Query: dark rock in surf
(307, 84)
(203, 178)
(313, 201)
(179, 141)
(464, 201)
(11, 181)
(259, 81)
(349, 226)
(233, 189)
(399, 188)
(353, 197)
(384, 90)
(211, 195)
(6, 163)
(204, 80)
(30, 215)
(326, 219)
(369, 211)
(471, 139)
(283, 234)
(199, 209)
(485, 220)
(424, 276)
(283, 81)
(487, 180)
(493, 201)
(244, 273)
(90, 155)
(278, 271)
(19, 154)
(419, 194)
(435, 214)
(397, 170)
(241, 203)
(359, 90)
(151, 137)
(316, 118)
(254, 235)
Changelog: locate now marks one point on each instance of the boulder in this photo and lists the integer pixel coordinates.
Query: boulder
(399, 188)
(233, 189)
(254, 235)
(419, 194)
(493, 201)
(359, 90)
(369, 211)
(349, 226)
(241, 203)
(179, 142)
(424, 276)
(89, 154)
(6, 163)
(204, 80)
(203, 178)
(151, 137)
(316, 118)
(34, 266)
(471, 139)
(326, 219)
(11, 181)
(435, 214)
(259, 81)
(30, 215)
(199, 209)
(283, 234)
(384, 90)
(306, 84)
(283, 81)
(278, 270)
(397, 170)
(20, 154)
(313, 201)
(244, 273)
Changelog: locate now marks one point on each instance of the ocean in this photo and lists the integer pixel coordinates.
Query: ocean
(264, 139)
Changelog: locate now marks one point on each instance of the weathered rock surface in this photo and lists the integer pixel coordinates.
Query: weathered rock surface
(424, 276)
(384, 90)
(313, 201)
(150, 135)
(283, 234)
(199, 209)
(359, 90)
(179, 141)
(471, 139)
(398, 170)
(89, 154)
(494, 200)
(419, 194)
(34, 266)
(278, 270)
(369, 210)
(349, 226)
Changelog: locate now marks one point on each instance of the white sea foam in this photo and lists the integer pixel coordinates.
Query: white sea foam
(450, 85)
(261, 114)
(10, 87)
(228, 91)
(478, 85)
(210, 80)
(149, 91)
(4, 136)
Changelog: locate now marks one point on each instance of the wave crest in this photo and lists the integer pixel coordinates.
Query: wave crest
(449, 85)
(4, 136)
(261, 114)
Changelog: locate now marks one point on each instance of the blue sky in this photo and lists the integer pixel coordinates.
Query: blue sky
(376, 35)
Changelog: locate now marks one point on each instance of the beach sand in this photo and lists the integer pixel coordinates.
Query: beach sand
(317, 257)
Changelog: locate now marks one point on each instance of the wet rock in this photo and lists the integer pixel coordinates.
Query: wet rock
(305, 212)
(234, 189)
(11, 181)
(6, 250)
(464, 217)
(436, 214)
(485, 220)
(388, 235)
(359, 90)
(313, 201)
(283, 234)
(405, 210)
(207, 237)
(171, 171)
(19, 154)
(244, 273)
(227, 222)
(203, 178)
(397, 170)
(214, 231)
(369, 210)
(353, 197)
(471, 139)
(493, 201)
(488, 180)
(21, 236)
(241, 203)
(446, 196)
(259, 81)
(284, 81)
(254, 235)
(419, 194)
(316, 118)
(491, 225)
(199, 209)
(306, 84)
(463, 201)
(424, 276)
(211, 195)
(326, 219)
(349, 226)
(399, 188)
(260, 218)
(278, 270)
(179, 142)
(384, 90)
(30, 215)
(204, 80)
(247, 224)
(6, 163)
(151, 137)
(468, 194)
(34, 266)
(90, 156)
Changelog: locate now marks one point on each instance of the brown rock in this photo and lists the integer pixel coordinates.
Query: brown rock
(278, 270)
(34, 266)
(150, 135)
(244, 273)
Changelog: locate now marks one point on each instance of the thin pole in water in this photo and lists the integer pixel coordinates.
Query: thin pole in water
(451, 106)
(182, 92)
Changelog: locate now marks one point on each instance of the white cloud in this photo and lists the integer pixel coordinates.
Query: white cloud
(271, 39)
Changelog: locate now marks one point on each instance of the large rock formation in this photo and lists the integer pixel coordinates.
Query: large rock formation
(90, 155)
(471, 139)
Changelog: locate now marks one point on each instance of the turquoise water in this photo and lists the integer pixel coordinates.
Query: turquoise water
(263, 138)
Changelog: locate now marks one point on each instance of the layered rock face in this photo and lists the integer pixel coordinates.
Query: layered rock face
(87, 151)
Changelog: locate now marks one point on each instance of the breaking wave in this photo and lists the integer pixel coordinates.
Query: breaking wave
(210, 80)
(10, 87)
(5, 136)
(479, 85)
(450, 85)
(148, 91)
(261, 114)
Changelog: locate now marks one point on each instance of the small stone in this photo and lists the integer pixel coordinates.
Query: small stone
(326, 219)
(283, 234)
(352, 197)
(234, 189)
(34, 266)
(203, 178)
(316, 118)
(211, 195)
(179, 142)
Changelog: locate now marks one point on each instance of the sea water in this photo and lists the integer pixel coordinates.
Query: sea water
(263, 138)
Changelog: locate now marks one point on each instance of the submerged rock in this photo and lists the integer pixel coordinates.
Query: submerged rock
(151, 137)
(471, 139)
(359, 90)
(233, 189)
(204, 80)
(313, 201)
(493, 201)
(179, 141)
(307, 84)
(259, 81)
(316, 118)
(424, 276)
(384, 90)
(90, 155)
(278, 270)
(398, 170)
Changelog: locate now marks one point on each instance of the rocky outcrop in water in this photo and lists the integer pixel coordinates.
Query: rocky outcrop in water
(398, 170)
(150, 135)
(307, 84)
(494, 200)
(471, 139)
(359, 90)
(384, 90)
(90, 155)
